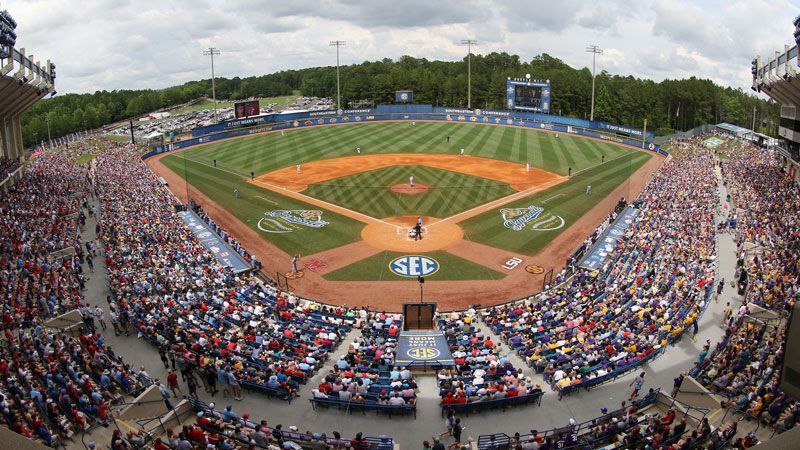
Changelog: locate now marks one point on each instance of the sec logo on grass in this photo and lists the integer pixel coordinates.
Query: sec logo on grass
(413, 266)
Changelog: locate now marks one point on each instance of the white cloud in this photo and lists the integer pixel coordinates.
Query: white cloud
(118, 44)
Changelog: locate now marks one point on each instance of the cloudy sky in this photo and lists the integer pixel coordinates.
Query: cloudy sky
(116, 44)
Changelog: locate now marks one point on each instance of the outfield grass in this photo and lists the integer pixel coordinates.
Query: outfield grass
(376, 268)
(255, 201)
(265, 152)
(209, 104)
(567, 200)
(448, 192)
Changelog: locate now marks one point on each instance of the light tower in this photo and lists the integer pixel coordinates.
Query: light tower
(469, 43)
(338, 44)
(594, 50)
(212, 52)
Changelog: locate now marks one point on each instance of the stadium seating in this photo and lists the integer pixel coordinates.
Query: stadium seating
(484, 378)
(365, 378)
(600, 324)
(176, 295)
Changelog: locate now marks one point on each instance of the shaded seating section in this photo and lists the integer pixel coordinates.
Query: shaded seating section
(40, 251)
(637, 425)
(365, 377)
(483, 377)
(56, 386)
(7, 167)
(177, 296)
(745, 368)
(657, 281)
(225, 426)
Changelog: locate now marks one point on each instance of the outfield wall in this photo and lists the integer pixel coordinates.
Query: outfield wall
(284, 121)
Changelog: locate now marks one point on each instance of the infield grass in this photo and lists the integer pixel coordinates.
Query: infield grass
(370, 192)
(254, 201)
(376, 268)
(567, 200)
(266, 152)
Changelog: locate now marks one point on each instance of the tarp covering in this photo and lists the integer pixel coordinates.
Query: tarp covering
(598, 254)
(213, 243)
(423, 348)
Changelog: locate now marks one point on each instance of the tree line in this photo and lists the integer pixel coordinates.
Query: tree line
(668, 106)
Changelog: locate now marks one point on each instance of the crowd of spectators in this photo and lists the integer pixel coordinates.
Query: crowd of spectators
(8, 166)
(745, 368)
(54, 386)
(767, 205)
(227, 430)
(656, 284)
(482, 371)
(639, 424)
(41, 253)
(368, 373)
(228, 330)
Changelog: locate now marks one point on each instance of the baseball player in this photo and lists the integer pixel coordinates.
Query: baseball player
(358, 150)
(527, 167)
(462, 152)
(410, 180)
(236, 192)
(294, 262)
(589, 190)
(298, 168)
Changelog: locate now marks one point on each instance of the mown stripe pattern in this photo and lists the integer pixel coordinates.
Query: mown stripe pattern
(370, 192)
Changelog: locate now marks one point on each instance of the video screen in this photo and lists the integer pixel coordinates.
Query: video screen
(528, 96)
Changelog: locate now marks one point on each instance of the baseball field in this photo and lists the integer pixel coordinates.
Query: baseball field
(346, 198)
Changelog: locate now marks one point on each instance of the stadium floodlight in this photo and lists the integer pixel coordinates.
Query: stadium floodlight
(338, 44)
(594, 50)
(212, 52)
(469, 43)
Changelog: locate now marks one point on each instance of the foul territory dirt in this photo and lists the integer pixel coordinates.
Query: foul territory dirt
(313, 172)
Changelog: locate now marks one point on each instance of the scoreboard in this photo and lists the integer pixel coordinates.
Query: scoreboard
(246, 109)
(525, 94)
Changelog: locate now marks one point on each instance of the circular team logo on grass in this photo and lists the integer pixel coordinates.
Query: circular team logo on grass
(423, 353)
(534, 269)
(414, 266)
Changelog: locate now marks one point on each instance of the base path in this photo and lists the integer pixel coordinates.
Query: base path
(314, 172)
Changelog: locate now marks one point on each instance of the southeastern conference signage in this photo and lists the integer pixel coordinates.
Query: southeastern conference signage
(413, 266)
(419, 348)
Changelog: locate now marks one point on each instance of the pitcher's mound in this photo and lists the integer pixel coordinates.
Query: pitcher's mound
(405, 188)
(392, 234)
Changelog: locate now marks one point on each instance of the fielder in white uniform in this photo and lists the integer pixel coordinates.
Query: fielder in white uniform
(411, 180)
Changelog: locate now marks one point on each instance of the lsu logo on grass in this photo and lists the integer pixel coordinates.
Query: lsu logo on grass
(413, 266)
(518, 219)
(286, 221)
